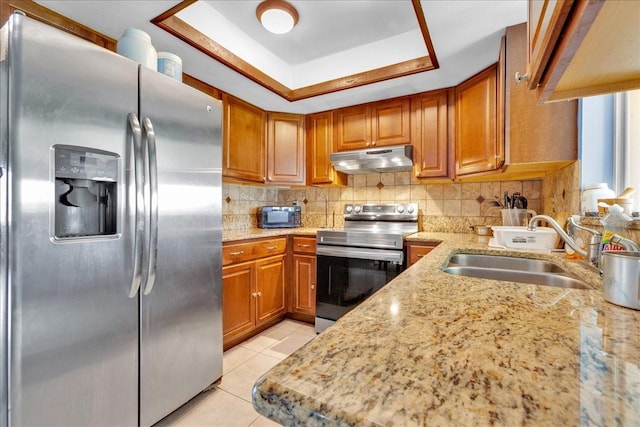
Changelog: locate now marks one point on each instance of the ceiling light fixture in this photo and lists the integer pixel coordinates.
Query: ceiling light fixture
(277, 16)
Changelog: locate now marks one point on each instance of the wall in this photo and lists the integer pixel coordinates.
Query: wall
(453, 207)
(561, 190)
(240, 205)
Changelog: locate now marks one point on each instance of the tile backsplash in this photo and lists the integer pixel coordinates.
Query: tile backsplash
(561, 190)
(240, 205)
(451, 207)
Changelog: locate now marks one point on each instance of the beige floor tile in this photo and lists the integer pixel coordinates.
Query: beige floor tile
(306, 328)
(234, 357)
(267, 338)
(288, 345)
(212, 409)
(291, 324)
(240, 381)
(264, 422)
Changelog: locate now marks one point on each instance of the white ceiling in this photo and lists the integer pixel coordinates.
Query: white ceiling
(327, 42)
(307, 55)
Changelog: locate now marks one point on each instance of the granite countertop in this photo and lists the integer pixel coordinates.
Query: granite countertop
(435, 349)
(256, 233)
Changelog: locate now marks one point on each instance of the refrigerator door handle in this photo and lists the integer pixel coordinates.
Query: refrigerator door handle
(138, 163)
(153, 203)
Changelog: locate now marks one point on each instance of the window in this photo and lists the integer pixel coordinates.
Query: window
(626, 144)
(610, 141)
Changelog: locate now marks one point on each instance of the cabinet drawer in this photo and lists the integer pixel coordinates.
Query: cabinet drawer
(305, 245)
(418, 251)
(238, 252)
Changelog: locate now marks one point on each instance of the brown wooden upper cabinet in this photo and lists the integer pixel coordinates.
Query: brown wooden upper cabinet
(430, 134)
(243, 142)
(583, 47)
(319, 130)
(534, 132)
(373, 125)
(476, 143)
(285, 148)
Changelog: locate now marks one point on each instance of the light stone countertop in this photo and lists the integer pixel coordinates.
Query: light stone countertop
(435, 349)
(257, 233)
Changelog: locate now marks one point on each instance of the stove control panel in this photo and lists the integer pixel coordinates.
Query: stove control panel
(396, 211)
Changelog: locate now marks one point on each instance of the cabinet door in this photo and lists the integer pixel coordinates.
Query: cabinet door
(476, 122)
(319, 129)
(238, 300)
(304, 289)
(534, 132)
(390, 122)
(285, 148)
(430, 139)
(270, 288)
(243, 146)
(571, 33)
(546, 19)
(352, 128)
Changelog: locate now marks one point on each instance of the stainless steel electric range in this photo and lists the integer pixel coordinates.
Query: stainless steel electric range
(358, 260)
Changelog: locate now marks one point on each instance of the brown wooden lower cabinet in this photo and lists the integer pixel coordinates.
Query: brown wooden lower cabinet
(253, 292)
(304, 296)
(238, 302)
(303, 279)
(415, 251)
(270, 292)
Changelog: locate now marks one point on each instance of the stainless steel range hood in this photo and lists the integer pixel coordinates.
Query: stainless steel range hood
(384, 159)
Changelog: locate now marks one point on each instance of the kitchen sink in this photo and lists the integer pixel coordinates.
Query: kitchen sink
(512, 269)
(506, 263)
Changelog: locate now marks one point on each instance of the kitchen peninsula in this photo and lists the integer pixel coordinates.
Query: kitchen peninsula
(436, 349)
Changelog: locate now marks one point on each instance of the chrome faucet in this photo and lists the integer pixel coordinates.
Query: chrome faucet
(592, 254)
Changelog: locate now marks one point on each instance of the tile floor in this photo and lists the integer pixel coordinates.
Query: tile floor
(229, 403)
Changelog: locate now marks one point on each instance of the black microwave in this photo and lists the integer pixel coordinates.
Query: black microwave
(279, 217)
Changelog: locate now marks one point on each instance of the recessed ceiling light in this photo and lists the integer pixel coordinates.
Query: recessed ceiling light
(277, 16)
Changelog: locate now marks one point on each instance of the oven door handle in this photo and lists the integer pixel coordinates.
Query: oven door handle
(360, 253)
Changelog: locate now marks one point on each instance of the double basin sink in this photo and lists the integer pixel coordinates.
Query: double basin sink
(512, 269)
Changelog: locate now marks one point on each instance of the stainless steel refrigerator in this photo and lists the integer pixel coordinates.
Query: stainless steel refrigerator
(110, 227)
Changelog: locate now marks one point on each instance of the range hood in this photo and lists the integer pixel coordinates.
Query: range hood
(384, 159)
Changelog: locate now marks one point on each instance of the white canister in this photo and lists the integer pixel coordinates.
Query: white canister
(136, 45)
(170, 65)
(590, 196)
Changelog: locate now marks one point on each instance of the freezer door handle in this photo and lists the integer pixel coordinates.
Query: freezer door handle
(138, 164)
(150, 137)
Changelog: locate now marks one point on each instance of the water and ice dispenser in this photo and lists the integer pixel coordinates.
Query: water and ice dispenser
(86, 182)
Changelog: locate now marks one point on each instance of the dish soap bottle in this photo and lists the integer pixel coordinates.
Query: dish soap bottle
(615, 222)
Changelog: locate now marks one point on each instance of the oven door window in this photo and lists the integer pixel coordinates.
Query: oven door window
(343, 283)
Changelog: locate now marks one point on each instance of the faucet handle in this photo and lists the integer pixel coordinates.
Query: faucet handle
(574, 220)
(628, 244)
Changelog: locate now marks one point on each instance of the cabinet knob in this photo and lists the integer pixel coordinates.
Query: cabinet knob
(521, 77)
(300, 245)
(368, 144)
(313, 287)
(270, 248)
(373, 143)
(236, 253)
(254, 294)
(259, 294)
